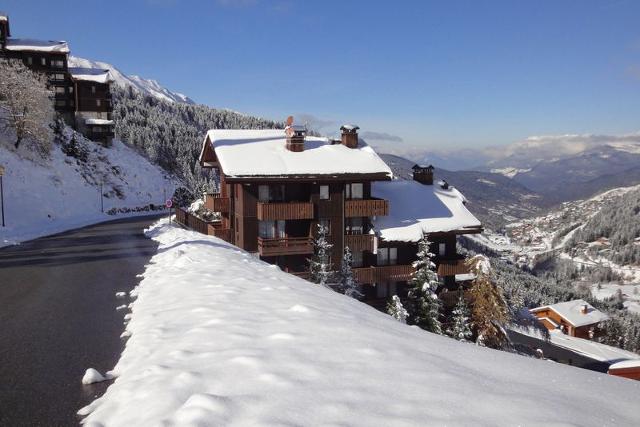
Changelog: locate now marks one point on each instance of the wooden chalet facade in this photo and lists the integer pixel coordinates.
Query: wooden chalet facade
(574, 318)
(276, 187)
(71, 96)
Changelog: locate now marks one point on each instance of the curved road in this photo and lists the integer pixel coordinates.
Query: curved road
(58, 317)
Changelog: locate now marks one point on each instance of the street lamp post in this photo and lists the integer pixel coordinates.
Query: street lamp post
(2, 194)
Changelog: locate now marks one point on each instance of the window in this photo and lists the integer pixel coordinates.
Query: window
(93, 89)
(354, 225)
(29, 60)
(98, 103)
(356, 259)
(271, 229)
(61, 103)
(354, 190)
(442, 249)
(57, 63)
(57, 76)
(70, 89)
(324, 192)
(271, 193)
(43, 61)
(60, 89)
(387, 256)
(326, 223)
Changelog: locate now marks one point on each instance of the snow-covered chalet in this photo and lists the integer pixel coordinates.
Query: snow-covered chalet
(277, 185)
(82, 96)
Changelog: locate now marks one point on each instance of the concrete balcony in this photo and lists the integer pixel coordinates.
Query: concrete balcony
(284, 210)
(359, 242)
(383, 274)
(216, 203)
(285, 246)
(366, 207)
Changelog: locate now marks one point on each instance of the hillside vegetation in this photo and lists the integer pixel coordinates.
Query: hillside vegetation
(171, 134)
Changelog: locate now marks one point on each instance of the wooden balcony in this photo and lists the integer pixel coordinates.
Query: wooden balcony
(451, 267)
(285, 246)
(383, 274)
(285, 210)
(359, 242)
(366, 207)
(222, 233)
(212, 228)
(216, 203)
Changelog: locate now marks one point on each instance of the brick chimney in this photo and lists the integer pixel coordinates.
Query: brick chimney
(423, 174)
(350, 135)
(295, 137)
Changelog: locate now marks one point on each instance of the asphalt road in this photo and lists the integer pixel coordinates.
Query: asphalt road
(58, 317)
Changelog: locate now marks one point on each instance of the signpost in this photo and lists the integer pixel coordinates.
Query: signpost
(169, 204)
(2, 193)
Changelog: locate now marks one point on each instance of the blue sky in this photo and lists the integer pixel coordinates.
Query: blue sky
(432, 74)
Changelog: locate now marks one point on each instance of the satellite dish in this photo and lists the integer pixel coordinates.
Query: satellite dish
(289, 120)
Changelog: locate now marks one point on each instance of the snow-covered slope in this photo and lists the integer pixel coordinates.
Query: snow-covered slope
(48, 196)
(146, 86)
(218, 337)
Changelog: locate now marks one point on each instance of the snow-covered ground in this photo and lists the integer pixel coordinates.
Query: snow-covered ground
(43, 197)
(218, 337)
(630, 294)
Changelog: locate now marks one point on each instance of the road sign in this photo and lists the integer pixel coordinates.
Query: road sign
(168, 203)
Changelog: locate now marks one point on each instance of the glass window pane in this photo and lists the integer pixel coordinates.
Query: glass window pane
(357, 190)
(393, 256)
(281, 229)
(324, 192)
(383, 256)
(263, 193)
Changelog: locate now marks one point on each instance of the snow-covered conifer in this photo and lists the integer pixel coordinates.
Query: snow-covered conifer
(422, 302)
(397, 310)
(459, 327)
(320, 264)
(347, 282)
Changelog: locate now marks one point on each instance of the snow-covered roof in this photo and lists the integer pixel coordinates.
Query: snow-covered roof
(98, 122)
(95, 75)
(33, 45)
(349, 127)
(255, 153)
(626, 364)
(571, 311)
(415, 209)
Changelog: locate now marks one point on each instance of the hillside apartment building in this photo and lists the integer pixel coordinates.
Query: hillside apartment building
(82, 96)
(276, 186)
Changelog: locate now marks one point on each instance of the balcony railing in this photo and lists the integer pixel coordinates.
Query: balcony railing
(216, 203)
(285, 246)
(383, 274)
(359, 242)
(366, 207)
(451, 267)
(212, 228)
(285, 210)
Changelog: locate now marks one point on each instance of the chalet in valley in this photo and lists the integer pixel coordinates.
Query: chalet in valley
(81, 96)
(276, 186)
(575, 318)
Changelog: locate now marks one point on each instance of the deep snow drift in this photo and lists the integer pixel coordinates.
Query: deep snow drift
(221, 338)
(48, 196)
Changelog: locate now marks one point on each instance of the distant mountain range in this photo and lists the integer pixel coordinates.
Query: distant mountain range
(145, 86)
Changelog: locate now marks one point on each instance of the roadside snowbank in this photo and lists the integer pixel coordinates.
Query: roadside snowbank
(51, 196)
(221, 338)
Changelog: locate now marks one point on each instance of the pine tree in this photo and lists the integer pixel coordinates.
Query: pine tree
(423, 304)
(489, 310)
(347, 282)
(459, 328)
(397, 310)
(320, 264)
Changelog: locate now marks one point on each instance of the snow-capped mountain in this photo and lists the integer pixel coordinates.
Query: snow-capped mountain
(145, 86)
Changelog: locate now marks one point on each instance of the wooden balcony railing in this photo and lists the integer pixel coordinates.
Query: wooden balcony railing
(359, 242)
(285, 210)
(366, 207)
(216, 203)
(383, 274)
(209, 228)
(451, 267)
(285, 246)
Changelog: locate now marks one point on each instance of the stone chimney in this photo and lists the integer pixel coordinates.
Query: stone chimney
(350, 135)
(584, 309)
(423, 174)
(295, 137)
